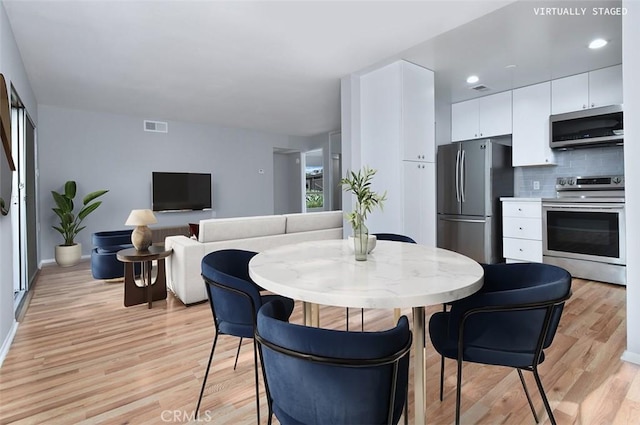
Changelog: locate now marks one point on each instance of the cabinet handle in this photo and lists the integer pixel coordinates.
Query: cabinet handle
(520, 249)
(593, 104)
(519, 209)
(520, 228)
(418, 156)
(584, 106)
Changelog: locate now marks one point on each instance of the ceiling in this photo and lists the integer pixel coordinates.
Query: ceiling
(276, 66)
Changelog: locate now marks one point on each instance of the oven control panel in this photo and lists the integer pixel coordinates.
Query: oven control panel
(590, 183)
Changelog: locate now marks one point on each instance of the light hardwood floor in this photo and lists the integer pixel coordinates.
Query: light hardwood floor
(81, 357)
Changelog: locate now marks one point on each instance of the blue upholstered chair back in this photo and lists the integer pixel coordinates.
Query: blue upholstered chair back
(510, 338)
(234, 298)
(393, 237)
(322, 376)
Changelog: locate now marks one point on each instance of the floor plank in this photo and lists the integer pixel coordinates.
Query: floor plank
(81, 357)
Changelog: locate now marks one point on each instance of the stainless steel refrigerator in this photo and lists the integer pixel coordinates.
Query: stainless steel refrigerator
(472, 176)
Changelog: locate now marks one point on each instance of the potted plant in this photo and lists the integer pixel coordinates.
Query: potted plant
(359, 183)
(69, 253)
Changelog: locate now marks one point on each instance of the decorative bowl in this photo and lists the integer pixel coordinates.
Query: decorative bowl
(371, 243)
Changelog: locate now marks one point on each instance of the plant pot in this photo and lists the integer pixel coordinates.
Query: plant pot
(68, 255)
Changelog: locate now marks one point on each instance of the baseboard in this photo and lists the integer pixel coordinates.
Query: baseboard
(631, 357)
(53, 260)
(6, 344)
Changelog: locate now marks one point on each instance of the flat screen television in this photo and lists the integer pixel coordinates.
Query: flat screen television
(180, 191)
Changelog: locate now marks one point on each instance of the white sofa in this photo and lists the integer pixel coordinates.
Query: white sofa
(249, 233)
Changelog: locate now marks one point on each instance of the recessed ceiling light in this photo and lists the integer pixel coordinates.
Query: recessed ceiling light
(473, 79)
(597, 43)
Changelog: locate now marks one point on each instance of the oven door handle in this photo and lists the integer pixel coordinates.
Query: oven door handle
(589, 207)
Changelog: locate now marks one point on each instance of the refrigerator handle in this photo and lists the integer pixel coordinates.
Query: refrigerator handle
(462, 172)
(458, 176)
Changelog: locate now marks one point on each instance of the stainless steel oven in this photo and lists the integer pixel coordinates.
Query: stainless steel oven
(584, 228)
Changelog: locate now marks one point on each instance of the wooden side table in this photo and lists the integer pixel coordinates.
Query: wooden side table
(150, 291)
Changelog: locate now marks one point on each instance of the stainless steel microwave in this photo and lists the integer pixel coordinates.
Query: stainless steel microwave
(588, 127)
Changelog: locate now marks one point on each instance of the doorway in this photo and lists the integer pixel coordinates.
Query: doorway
(23, 133)
(287, 179)
(314, 181)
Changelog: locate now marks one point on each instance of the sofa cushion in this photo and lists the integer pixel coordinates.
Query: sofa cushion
(305, 222)
(224, 229)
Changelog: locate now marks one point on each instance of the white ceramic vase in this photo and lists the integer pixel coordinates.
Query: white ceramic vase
(68, 255)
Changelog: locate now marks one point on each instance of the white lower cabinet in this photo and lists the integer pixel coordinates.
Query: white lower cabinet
(522, 229)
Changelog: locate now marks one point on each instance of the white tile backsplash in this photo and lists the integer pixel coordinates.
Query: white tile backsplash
(576, 162)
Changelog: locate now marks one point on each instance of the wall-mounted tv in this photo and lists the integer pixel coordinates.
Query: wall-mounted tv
(180, 191)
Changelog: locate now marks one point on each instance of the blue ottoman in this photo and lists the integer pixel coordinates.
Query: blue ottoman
(104, 264)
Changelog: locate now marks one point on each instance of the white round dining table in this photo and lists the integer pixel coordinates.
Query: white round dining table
(395, 275)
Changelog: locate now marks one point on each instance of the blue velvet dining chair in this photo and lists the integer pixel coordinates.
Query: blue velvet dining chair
(322, 376)
(235, 300)
(509, 322)
(394, 237)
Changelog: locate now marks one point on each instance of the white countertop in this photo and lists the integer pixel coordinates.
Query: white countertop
(395, 275)
(514, 199)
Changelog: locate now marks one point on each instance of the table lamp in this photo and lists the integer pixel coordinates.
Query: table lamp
(141, 235)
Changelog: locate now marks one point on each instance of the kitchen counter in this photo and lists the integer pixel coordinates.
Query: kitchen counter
(514, 199)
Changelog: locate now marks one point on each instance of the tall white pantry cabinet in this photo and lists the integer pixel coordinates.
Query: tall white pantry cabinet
(397, 130)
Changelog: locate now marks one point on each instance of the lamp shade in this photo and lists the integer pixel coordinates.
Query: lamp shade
(140, 218)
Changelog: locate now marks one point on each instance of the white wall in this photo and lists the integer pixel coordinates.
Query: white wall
(13, 70)
(630, 71)
(109, 151)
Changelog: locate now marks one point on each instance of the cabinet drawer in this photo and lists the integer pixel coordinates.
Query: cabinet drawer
(523, 228)
(522, 209)
(522, 249)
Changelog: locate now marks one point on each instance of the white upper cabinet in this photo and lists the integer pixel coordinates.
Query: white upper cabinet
(483, 117)
(605, 86)
(418, 111)
(530, 140)
(570, 93)
(495, 114)
(465, 120)
(601, 87)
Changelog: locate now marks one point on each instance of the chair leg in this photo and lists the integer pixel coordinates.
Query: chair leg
(347, 313)
(526, 391)
(544, 396)
(458, 391)
(441, 378)
(444, 309)
(255, 371)
(204, 382)
(237, 354)
(406, 407)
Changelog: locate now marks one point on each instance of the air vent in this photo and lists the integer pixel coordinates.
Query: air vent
(156, 126)
(479, 87)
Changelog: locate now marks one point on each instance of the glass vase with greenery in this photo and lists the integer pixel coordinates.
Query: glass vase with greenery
(359, 183)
